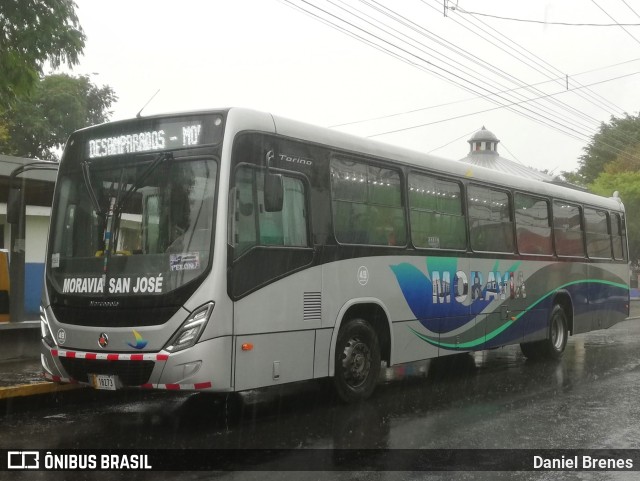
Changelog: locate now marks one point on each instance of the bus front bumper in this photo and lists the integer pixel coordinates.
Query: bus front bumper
(203, 367)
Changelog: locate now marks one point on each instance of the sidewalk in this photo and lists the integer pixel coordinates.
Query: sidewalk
(20, 370)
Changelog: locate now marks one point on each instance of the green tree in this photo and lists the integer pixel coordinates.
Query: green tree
(40, 123)
(628, 185)
(614, 140)
(34, 33)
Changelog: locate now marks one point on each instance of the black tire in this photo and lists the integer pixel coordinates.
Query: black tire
(553, 346)
(357, 361)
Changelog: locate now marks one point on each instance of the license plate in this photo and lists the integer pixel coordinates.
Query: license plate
(105, 382)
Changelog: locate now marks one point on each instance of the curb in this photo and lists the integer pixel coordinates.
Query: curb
(22, 390)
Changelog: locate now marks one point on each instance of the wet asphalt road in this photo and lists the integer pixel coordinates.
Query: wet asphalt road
(495, 399)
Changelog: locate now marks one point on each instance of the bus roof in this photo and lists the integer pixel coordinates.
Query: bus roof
(291, 128)
(247, 119)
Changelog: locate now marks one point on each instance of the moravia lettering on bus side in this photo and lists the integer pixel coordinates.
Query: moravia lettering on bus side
(498, 285)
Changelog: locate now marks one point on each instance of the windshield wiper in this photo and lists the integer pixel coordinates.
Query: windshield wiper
(92, 193)
(86, 174)
(161, 158)
(111, 217)
(121, 199)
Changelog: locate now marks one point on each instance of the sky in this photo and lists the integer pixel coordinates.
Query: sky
(400, 72)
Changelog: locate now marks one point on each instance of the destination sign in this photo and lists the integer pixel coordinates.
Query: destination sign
(166, 136)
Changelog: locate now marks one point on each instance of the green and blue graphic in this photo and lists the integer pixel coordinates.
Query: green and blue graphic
(140, 342)
(445, 291)
(479, 310)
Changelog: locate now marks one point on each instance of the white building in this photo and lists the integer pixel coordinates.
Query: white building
(38, 192)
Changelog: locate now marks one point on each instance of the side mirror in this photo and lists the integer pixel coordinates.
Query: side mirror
(273, 192)
(14, 205)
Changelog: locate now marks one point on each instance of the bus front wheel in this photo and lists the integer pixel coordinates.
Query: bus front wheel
(553, 346)
(357, 361)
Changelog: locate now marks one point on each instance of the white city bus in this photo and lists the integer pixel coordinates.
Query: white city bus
(231, 250)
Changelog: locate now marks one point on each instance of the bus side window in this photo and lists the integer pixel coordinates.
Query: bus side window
(567, 229)
(533, 226)
(597, 232)
(367, 204)
(437, 220)
(252, 225)
(617, 237)
(245, 223)
(289, 226)
(490, 223)
(294, 213)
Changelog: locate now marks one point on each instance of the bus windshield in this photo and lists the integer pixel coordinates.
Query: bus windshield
(132, 225)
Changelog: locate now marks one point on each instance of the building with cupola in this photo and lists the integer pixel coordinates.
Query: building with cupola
(483, 151)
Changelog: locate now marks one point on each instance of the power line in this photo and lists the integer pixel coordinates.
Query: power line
(533, 115)
(620, 25)
(532, 57)
(499, 72)
(385, 11)
(397, 114)
(595, 98)
(451, 142)
(588, 95)
(629, 7)
(502, 144)
(545, 22)
(552, 71)
(446, 104)
(484, 64)
(400, 52)
(508, 46)
(479, 112)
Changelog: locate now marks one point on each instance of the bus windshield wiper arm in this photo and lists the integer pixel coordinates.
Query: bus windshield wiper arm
(92, 193)
(121, 199)
(138, 182)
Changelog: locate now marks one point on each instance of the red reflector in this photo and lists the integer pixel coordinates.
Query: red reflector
(247, 346)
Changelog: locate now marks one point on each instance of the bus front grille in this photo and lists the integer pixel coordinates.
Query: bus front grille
(130, 373)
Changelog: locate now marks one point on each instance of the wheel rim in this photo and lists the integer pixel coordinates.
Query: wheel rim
(356, 362)
(557, 332)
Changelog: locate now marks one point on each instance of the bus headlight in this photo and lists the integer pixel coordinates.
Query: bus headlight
(191, 329)
(45, 330)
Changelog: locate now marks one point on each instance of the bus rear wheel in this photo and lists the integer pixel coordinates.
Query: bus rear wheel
(553, 346)
(357, 361)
